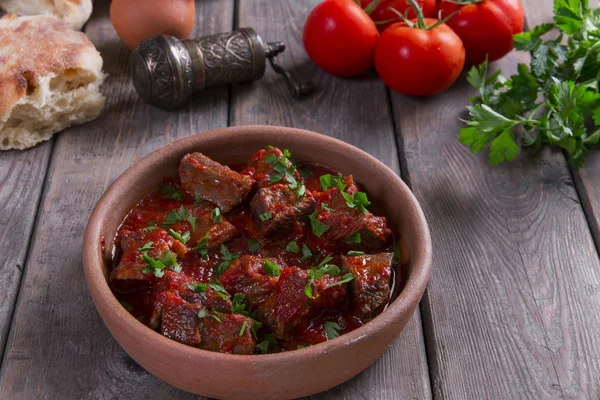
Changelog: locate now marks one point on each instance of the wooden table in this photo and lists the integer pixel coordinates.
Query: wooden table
(512, 310)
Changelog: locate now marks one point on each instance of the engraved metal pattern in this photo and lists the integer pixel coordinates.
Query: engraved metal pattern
(228, 58)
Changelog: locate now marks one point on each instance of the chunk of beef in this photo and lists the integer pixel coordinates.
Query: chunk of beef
(291, 305)
(173, 283)
(278, 211)
(213, 181)
(344, 221)
(180, 320)
(228, 334)
(218, 232)
(371, 285)
(131, 264)
(261, 166)
(245, 275)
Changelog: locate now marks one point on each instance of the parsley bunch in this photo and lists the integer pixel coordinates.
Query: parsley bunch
(553, 102)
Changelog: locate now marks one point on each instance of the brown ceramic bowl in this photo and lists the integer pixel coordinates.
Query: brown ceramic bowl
(271, 376)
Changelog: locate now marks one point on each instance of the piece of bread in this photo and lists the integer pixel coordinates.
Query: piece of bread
(49, 79)
(73, 12)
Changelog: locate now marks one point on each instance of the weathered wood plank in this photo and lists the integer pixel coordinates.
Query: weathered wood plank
(22, 176)
(356, 111)
(512, 309)
(58, 345)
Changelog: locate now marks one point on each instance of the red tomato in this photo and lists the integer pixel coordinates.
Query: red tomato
(419, 62)
(340, 38)
(383, 13)
(486, 28)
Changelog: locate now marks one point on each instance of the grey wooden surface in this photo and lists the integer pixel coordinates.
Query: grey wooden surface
(513, 306)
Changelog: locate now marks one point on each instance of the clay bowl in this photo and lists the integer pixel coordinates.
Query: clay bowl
(272, 376)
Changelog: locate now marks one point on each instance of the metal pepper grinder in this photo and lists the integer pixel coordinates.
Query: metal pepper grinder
(166, 70)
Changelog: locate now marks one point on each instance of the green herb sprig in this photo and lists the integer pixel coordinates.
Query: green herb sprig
(552, 102)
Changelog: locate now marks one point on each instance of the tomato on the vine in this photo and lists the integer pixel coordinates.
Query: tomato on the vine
(382, 11)
(486, 27)
(340, 38)
(420, 57)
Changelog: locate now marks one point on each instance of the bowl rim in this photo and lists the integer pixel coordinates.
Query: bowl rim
(414, 287)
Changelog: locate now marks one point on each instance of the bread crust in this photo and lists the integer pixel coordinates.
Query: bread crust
(35, 50)
(74, 12)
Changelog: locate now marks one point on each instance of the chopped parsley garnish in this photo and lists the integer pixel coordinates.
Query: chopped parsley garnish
(238, 304)
(202, 246)
(328, 181)
(266, 216)
(192, 221)
(126, 306)
(151, 227)
(345, 279)
(217, 286)
(308, 289)
(169, 192)
(146, 247)
(332, 329)
(199, 288)
(271, 268)
(354, 238)
(243, 329)
(269, 342)
(356, 253)
(325, 207)
(306, 253)
(256, 325)
(226, 260)
(282, 170)
(253, 245)
(183, 238)
(203, 313)
(323, 268)
(175, 216)
(216, 216)
(357, 200)
(292, 247)
(197, 198)
(263, 346)
(318, 227)
(157, 266)
(397, 255)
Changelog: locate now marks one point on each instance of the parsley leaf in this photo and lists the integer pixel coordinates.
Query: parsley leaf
(183, 238)
(227, 258)
(552, 102)
(353, 253)
(192, 221)
(216, 216)
(217, 286)
(345, 279)
(271, 268)
(292, 247)
(151, 227)
(318, 227)
(199, 288)
(175, 216)
(354, 238)
(238, 304)
(146, 247)
(266, 216)
(306, 253)
(169, 192)
(202, 246)
(285, 168)
(332, 329)
(328, 181)
(253, 245)
(203, 314)
(157, 266)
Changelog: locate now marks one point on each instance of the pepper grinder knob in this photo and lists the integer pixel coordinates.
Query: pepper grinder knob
(166, 70)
